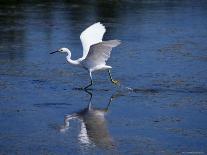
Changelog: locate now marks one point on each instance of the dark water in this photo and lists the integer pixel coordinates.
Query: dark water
(163, 57)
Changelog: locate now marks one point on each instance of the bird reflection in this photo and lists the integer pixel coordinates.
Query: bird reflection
(94, 131)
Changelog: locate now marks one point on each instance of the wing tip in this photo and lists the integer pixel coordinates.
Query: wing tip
(102, 25)
(97, 25)
(111, 43)
(116, 42)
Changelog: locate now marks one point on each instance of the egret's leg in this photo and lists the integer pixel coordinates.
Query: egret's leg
(91, 83)
(112, 80)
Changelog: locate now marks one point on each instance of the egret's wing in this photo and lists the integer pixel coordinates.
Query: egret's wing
(100, 52)
(91, 35)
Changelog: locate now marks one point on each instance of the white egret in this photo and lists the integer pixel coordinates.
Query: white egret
(95, 51)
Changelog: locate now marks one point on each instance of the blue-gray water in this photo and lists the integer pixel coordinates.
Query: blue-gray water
(163, 57)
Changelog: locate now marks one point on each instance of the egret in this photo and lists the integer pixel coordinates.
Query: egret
(95, 51)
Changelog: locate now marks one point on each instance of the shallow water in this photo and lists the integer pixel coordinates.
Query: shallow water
(163, 58)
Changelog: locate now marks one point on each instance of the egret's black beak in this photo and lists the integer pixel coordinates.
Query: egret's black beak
(54, 52)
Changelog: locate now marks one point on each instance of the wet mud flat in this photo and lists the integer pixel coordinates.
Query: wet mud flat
(159, 108)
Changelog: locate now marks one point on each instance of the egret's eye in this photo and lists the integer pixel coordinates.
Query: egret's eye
(61, 50)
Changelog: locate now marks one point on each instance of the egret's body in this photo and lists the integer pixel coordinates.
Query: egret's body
(95, 51)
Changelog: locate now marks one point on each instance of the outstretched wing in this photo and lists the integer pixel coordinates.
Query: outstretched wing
(100, 52)
(90, 36)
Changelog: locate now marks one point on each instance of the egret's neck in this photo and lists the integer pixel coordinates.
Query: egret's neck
(73, 62)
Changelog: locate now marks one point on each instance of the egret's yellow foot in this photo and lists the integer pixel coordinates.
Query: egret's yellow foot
(116, 82)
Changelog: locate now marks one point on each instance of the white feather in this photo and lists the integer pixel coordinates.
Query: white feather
(90, 36)
(98, 55)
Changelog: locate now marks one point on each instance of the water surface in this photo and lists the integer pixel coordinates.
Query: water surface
(163, 57)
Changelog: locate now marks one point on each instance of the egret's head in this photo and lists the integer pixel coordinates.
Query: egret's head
(62, 50)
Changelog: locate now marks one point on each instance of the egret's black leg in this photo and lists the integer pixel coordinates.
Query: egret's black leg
(91, 83)
(112, 80)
